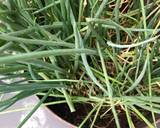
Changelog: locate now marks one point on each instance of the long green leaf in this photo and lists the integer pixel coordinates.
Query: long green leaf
(34, 55)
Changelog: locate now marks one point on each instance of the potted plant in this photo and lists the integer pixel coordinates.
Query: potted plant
(96, 60)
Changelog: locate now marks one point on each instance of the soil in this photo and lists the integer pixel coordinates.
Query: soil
(107, 121)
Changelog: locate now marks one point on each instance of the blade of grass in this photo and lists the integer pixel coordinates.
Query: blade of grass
(148, 54)
(88, 116)
(116, 13)
(5, 46)
(133, 45)
(84, 59)
(46, 7)
(40, 54)
(65, 93)
(101, 7)
(109, 88)
(96, 114)
(6, 88)
(138, 80)
(34, 41)
(43, 64)
(129, 119)
(142, 117)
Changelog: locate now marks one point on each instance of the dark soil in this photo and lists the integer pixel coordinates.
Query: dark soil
(75, 118)
(107, 121)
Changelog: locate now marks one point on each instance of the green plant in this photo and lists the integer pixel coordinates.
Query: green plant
(104, 53)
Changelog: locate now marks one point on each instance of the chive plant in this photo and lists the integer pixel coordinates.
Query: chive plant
(59, 47)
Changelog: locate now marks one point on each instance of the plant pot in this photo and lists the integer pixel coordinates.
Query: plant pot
(42, 118)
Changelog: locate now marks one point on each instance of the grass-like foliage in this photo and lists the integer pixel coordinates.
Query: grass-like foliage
(100, 52)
